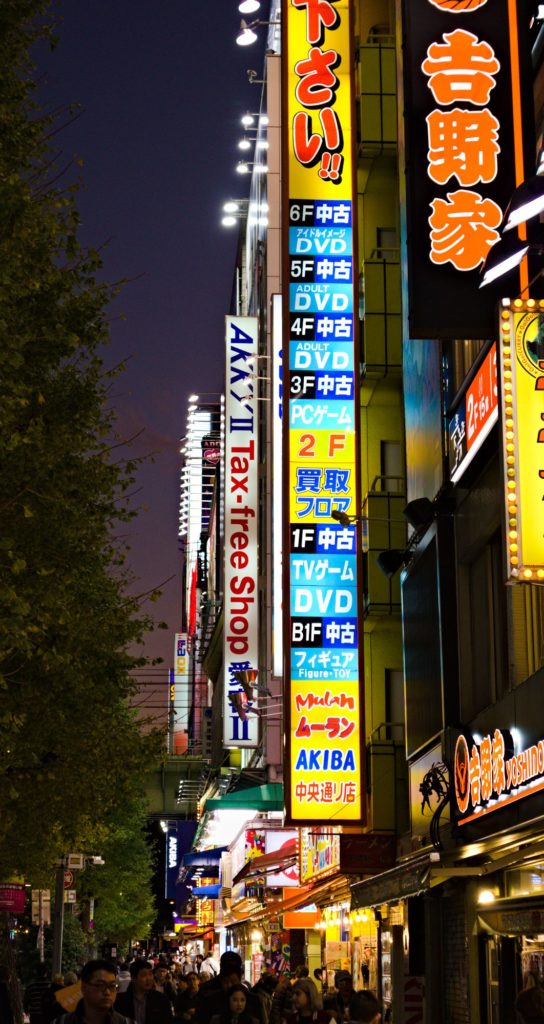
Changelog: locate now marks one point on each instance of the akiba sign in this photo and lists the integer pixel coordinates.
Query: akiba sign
(489, 774)
(320, 415)
(241, 598)
(464, 84)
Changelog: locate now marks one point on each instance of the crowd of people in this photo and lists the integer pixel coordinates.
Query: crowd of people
(200, 992)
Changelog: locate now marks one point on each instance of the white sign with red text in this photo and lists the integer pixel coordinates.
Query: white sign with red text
(241, 601)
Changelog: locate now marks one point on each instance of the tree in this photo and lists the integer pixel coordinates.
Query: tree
(71, 750)
(123, 905)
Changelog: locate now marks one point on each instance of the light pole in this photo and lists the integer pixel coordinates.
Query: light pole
(58, 918)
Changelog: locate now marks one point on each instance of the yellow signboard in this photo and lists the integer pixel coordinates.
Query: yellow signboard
(522, 386)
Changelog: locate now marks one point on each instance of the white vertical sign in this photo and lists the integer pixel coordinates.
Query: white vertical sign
(241, 600)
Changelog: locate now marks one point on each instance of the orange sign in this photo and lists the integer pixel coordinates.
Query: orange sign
(489, 775)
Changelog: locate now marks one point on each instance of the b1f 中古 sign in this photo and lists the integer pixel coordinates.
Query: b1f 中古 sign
(241, 599)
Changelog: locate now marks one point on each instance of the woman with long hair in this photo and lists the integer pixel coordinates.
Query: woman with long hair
(307, 1005)
(235, 1010)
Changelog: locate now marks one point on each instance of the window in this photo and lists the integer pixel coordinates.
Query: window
(394, 704)
(483, 635)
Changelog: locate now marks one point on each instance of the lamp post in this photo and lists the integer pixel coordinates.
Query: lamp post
(58, 918)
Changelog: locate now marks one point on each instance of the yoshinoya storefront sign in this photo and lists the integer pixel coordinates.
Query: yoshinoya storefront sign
(467, 80)
(489, 773)
(321, 420)
(241, 597)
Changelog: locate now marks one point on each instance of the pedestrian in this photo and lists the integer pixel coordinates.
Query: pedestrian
(307, 1007)
(530, 1001)
(338, 1001)
(123, 978)
(364, 1008)
(235, 1010)
(161, 977)
(6, 1006)
(34, 995)
(98, 992)
(263, 991)
(209, 963)
(186, 1002)
(211, 996)
(141, 1003)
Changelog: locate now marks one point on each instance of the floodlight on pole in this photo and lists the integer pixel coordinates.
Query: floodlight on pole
(503, 257)
(526, 202)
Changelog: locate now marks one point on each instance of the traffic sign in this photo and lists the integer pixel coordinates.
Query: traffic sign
(69, 879)
(46, 906)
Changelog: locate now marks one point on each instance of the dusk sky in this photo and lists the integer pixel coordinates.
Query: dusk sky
(162, 85)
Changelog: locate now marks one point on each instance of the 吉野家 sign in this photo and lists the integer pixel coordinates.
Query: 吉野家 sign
(522, 410)
(489, 775)
(320, 415)
(241, 598)
(465, 84)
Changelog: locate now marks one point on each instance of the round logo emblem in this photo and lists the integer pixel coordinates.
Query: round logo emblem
(458, 6)
(461, 774)
(530, 343)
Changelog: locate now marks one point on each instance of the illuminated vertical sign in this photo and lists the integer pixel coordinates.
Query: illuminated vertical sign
(474, 416)
(522, 411)
(320, 411)
(179, 694)
(277, 494)
(465, 154)
(241, 588)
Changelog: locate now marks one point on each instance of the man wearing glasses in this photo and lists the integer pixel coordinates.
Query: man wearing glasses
(99, 990)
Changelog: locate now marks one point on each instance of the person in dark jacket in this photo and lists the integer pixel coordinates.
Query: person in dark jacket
(98, 989)
(34, 996)
(141, 1003)
(235, 1008)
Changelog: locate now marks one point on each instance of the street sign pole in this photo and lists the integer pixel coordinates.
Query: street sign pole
(58, 918)
(40, 926)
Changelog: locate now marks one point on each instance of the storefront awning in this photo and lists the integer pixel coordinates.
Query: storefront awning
(210, 892)
(396, 884)
(277, 861)
(268, 797)
(204, 859)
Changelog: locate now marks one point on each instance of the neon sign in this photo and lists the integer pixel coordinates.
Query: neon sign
(489, 775)
(320, 415)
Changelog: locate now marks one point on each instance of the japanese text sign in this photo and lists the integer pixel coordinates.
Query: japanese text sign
(474, 417)
(522, 408)
(320, 412)
(465, 154)
(489, 775)
(241, 599)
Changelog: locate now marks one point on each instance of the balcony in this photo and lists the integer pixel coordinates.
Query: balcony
(381, 327)
(383, 528)
(377, 95)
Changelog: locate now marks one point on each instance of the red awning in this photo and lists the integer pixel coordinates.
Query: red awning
(268, 862)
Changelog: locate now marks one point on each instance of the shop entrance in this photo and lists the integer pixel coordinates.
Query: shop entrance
(499, 961)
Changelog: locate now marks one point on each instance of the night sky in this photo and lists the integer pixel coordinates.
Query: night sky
(163, 86)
